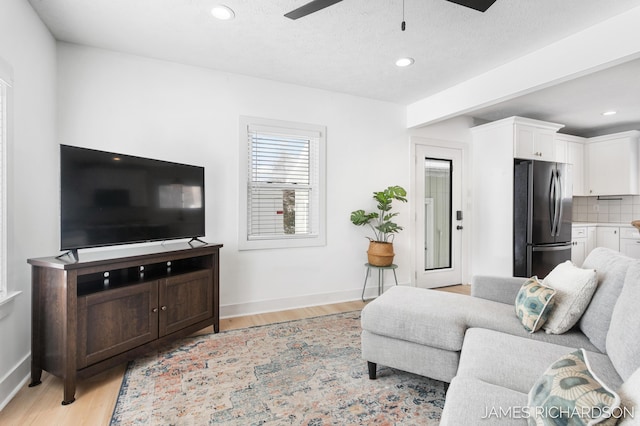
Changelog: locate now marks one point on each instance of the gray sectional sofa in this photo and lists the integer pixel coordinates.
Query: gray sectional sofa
(479, 346)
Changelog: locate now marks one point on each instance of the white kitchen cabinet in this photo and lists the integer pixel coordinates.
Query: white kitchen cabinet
(535, 140)
(578, 245)
(574, 155)
(608, 236)
(630, 248)
(612, 164)
(592, 239)
(630, 242)
(560, 148)
(583, 240)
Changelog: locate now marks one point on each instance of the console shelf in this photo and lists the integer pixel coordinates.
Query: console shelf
(110, 307)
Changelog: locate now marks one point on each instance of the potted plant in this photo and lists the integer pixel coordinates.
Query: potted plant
(380, 251)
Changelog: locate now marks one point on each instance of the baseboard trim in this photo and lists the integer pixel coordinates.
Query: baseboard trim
(14, 380)
(283, 304)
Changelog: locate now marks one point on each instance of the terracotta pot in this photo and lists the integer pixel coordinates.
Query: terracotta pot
(380, 254)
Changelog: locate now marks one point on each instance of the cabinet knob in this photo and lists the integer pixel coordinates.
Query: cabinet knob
(154, 310)
(164, 308)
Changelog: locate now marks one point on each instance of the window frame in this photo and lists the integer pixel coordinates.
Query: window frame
(318, 233)
(6, 87)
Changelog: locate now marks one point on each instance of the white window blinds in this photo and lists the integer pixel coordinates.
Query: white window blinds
(282, 183)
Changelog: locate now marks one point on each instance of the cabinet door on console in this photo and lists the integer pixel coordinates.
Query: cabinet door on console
(116, 320)
(184, 300)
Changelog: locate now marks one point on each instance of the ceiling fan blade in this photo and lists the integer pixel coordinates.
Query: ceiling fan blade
(481, 5)
(309, 8)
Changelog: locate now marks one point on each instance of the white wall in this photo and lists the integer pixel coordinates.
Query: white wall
(29, 49)
(164, 110)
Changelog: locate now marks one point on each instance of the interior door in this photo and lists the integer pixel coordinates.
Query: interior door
(439, 216)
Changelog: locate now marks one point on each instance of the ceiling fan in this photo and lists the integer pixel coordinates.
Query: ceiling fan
(316, 5)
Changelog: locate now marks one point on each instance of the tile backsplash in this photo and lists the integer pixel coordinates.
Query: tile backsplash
(610, 209)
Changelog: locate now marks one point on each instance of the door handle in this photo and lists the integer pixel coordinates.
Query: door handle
(459, 227)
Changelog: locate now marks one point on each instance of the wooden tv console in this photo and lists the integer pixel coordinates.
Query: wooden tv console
(110, 307)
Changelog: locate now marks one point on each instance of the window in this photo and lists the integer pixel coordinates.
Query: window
(282, 184)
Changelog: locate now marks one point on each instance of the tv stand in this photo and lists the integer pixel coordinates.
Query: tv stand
(111, 307)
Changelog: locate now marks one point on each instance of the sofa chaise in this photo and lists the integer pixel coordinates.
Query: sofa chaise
(479, 345)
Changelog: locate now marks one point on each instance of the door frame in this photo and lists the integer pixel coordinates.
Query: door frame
(418, 142)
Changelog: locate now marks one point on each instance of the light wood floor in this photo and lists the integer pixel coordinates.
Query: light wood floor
(96, 396)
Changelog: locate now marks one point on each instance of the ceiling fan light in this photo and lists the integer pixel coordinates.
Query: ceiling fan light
(404, 62)
(224, 13)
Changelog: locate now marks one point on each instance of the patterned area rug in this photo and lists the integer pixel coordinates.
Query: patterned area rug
(305, 372)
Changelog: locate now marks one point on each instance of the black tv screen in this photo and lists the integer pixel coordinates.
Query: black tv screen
(108, 198)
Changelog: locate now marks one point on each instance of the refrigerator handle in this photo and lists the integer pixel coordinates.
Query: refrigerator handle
(552, 248)
(558, 204)
(552, 203)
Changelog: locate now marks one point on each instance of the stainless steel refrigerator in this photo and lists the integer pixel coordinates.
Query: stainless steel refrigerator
(542, 216)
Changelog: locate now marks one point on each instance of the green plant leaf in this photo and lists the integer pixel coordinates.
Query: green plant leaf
(359, 217)
(381, 221)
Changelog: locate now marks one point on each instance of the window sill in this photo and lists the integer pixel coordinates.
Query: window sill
(282, 243)
(6, 303)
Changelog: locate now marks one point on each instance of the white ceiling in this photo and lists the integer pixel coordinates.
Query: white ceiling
(351, 46)
(579, 103)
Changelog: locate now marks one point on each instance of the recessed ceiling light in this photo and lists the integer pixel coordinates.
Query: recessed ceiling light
(224, 13)
(609, 112)
(404, 62)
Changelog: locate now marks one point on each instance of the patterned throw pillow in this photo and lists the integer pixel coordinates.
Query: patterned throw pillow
(569, 393)
(534, 304)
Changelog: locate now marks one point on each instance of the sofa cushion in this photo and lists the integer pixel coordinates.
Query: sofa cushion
(574, 288)
(474, 402)
(498, 289)
(569, 390)
(534, 303)
(630, 396)
(611, 267)
(440, 319)
(420, 316)
(623, 339)
(517, 362)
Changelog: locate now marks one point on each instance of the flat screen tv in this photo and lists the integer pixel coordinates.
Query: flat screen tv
(108, 199)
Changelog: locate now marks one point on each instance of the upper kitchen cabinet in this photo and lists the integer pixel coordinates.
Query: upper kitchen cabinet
(570, 149)
(534, 139)
(612, 164)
